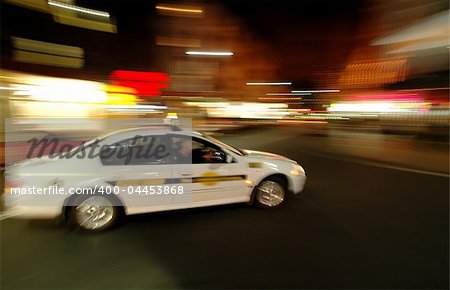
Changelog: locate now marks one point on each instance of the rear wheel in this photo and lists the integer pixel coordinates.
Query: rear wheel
(270, 193)
(94, 213)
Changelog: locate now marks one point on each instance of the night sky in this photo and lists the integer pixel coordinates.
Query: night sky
(306, 36)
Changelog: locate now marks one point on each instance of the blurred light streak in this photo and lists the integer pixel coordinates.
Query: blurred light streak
(380, 107)
(179, 9)
(288, 94)
(79, 9)
(182, 97)
(373, 73)
(139, 76)
(118, 95)
(177, 42)
(249, 111)
(419, 46)
(133, 109)
(75, 20)
(137, 107)
(324, 116)
(316, 91)
(207, 104)
(424, 31)
(54, 109)
(35, 96)
(279, 99)
(20, 92)
(301, 122)
(387, 97)
(121, 99)
(210, 53)
(426, 89)
(145, 83)
(172, 115)
(38, 5)
(269, 84)
(40, 52)
(71, 91)
(243, 110)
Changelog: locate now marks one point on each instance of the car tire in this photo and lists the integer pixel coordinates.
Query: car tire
(270, 193)
(94, 213)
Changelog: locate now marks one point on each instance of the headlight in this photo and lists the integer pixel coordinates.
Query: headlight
(297, 170)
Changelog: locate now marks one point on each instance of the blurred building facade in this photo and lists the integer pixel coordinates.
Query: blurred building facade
(209, 27)
(56, 38)
(399, 41)
(69, 38)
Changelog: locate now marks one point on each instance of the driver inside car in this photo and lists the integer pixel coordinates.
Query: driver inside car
(189, 151)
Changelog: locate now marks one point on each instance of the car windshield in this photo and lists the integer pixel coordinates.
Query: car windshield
(222, 144)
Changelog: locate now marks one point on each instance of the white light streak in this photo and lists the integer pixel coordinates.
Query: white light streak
(136, 107)
(288, 94)
(269, 84)
(316, 91)
(210, 53)
(279, 99)
(79, 9)
(176, 9)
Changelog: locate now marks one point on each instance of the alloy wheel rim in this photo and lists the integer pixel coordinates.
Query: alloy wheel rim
(94, 212)
(270, 193)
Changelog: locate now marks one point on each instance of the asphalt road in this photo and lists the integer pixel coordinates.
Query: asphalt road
(354, 226)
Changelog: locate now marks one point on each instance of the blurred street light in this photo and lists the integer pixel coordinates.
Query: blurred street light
(210, 53)
(317, 91)
(79, 9)
(288, 94)
(174, 8)
(269, 84)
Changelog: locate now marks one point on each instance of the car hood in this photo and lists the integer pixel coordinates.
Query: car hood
(266, 155)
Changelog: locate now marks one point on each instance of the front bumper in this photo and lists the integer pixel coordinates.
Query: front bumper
(28, 207)
(34, 212)
(297, 183)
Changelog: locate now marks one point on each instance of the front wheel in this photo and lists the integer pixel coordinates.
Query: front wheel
(94, 213)
(270, 193)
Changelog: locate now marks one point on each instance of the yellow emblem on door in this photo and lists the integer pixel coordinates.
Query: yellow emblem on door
(209, 178)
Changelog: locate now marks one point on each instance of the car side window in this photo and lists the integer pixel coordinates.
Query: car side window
(194, 150)
(139, 150)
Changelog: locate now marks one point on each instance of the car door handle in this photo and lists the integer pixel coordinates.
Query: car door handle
(186, 174)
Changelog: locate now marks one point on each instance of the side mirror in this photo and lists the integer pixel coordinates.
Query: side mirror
(228, 158)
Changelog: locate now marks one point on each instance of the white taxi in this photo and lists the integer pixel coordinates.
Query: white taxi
(144, 170)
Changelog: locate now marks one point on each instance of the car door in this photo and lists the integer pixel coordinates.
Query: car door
(139, 169)
(207, 177)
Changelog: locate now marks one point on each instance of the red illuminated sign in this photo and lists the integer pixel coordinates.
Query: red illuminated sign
(146, 84)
